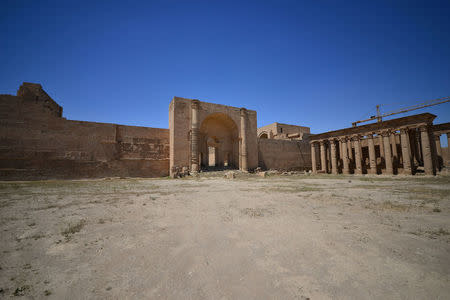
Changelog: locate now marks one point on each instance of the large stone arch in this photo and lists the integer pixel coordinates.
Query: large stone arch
(220, 132)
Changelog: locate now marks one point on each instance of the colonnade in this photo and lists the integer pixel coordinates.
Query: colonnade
(379, 152)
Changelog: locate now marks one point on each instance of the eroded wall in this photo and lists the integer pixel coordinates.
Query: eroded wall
(36, 143)
(284, 155)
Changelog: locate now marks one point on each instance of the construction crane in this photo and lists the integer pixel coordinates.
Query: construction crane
(379, 117)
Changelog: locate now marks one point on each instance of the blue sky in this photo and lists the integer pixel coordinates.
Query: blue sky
(322, 64)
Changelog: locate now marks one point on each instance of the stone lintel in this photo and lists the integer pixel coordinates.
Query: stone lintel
(412, 121)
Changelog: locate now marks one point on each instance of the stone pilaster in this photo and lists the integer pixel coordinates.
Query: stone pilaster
(323, 158)
(334, 169)
(194, 136)
(426, 150)
(345, 162)
(358, 154)
(244, 146)
(372, 156)
(313, 157)
(387, 153)
(406, 151)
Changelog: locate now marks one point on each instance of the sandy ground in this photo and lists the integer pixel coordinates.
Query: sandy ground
(280, 237)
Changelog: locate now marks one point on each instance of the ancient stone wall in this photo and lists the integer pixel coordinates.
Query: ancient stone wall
(284, 155)
(36, 143)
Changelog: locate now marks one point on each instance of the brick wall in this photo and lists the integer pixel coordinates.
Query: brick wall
(37, 143)
(284, 155)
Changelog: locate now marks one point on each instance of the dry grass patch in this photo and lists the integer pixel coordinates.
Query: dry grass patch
(72, 229)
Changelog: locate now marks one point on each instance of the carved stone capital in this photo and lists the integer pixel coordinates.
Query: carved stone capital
(195, 104)
(423, 127)
(243, 112)
(386, 132)
(332, 139)
(343, 139)
(404, 130)
(355, 137)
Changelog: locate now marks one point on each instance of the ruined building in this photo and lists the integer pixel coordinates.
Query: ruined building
(36, 142)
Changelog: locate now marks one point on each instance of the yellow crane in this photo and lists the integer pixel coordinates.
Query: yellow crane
(379, 117)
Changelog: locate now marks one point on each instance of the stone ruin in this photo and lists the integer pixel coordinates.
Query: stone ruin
(38, 143)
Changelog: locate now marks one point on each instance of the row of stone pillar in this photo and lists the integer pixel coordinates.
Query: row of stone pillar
(195, 139)
(390, 155)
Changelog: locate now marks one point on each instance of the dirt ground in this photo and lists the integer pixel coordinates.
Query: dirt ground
(279, 237)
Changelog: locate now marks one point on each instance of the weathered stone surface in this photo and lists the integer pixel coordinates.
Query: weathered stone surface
(37, 143)
(230, 175)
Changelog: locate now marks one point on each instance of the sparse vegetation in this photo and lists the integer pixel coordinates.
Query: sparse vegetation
(21, 291)
(72, 229)
(253, 217)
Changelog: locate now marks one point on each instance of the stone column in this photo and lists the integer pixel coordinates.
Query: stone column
(426, 150)
(345, 162)
(387, 152)
(406, 151)
(380, 141)
(194, 136)
(394, 150)
(439, 157)
(419, 147)
(244, 148)
(313, 157)
(358, 155)
(333, 157)
(328, 147)
(350, 149)
(372, 156)
(323, 159)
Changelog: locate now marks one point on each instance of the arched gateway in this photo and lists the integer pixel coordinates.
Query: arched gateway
(219, 142)
(206, 135)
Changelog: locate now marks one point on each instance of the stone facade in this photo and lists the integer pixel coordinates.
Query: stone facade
(36, 142)
(206, 135)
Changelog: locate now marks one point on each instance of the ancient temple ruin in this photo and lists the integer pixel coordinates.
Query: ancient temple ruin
(397, 146)
(37, 142)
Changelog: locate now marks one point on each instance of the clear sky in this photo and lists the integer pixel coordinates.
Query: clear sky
(322, 64)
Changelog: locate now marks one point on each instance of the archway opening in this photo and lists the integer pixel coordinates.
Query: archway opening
(219, 140)
(263, 135)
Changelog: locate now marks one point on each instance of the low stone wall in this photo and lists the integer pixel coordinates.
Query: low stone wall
(36, 143)
(284, 155)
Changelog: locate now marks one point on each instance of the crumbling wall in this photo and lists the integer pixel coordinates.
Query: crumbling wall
(284, 155)
(37, 143)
